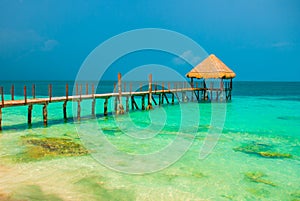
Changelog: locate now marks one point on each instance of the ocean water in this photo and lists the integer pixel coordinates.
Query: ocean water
(256, 156)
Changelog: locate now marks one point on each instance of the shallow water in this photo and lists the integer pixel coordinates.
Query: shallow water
(257, 156)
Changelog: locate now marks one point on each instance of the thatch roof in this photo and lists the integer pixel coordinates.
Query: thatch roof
(211, 68)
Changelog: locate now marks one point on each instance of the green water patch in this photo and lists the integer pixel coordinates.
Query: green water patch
(95, 188)
(258, 177)
(295, 196)
(262, 150)
(29, 193)
(293, 118)
(181, 173)
(38, 148)
(113, 131)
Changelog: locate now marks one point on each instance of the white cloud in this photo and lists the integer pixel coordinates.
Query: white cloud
(20, 43)
(187, 56)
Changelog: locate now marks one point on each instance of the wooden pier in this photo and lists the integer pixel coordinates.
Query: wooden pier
(157, 94)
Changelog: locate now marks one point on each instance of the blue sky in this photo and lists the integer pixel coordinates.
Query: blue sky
(49, 40)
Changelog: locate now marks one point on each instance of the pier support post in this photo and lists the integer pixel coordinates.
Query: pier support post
(29, 115)
(78, 110)
(12, 92)
(67, 91)
(45, 114)
(86, 89)
(50, 93)
(93, 106)
(25, 95)
(120, 109)
(149, 106)
(153, 99)
(164, 95)
(143, 102)
(159, 99)
(65, 111)
(33, 91)
(105, 106)
(80, 92)
(173, 98)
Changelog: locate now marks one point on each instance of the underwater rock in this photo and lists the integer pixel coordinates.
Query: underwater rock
(275, 155)
(39, 148)
(257, 177)
(262, 150)
(296, 196)
(111, 130)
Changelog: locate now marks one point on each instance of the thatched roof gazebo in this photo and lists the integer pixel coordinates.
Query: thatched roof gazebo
(212, 68)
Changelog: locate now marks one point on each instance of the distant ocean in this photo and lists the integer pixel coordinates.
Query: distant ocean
(257, 157)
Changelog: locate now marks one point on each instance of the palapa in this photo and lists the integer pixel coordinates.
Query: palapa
(211, 68)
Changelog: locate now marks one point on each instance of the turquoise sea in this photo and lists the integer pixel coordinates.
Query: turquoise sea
(256, 156)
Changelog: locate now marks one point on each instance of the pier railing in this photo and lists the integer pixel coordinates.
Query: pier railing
(157, 93)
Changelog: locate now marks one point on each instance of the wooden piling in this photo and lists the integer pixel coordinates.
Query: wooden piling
(25, 95)
(153, 99)
(149, 107)
(93, 106)
(173, 97)
(221, 85)
(33, 91)
(120, 109)
(50, 92)
(93, 89)
(12, 92)
(105, 106)
(65, 111)
(159, 99)
(166, 98)
(132, 102)
(86, 89)
(45, 114)
(80, 92)
(78, 110)
(67, 91)
(29, 114)
(130, 88)
(143, 102)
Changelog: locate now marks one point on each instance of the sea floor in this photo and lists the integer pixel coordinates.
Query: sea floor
(257, 157)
